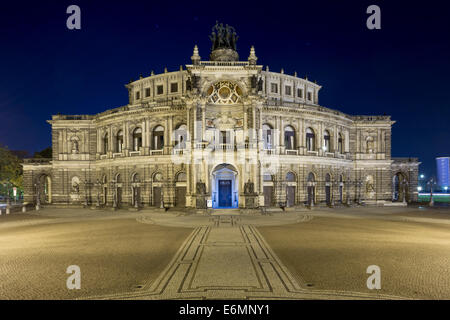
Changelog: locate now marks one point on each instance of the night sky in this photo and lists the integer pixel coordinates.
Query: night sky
(401, 70)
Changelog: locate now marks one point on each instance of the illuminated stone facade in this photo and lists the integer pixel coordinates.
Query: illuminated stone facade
(221, 133)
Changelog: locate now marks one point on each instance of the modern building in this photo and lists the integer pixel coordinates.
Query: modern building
(222, 133)
(443, 176)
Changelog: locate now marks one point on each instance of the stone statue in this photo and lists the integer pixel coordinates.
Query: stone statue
(260, 84)
(249, 187)
(223, 37)
(76, 187)
(201, 188)
(189, 84)
(74, 146)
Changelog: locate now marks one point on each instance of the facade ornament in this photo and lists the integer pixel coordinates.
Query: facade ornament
(195, 56)
(252, 58)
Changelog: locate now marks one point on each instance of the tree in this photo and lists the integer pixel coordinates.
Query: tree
(10, 168)
(46, 153)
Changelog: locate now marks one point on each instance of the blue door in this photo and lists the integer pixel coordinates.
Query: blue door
(224, 193)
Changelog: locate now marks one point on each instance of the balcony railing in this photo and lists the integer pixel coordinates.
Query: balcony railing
(292, 152)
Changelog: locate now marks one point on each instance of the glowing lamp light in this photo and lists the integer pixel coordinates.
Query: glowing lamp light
(419, 188)
(445, 188)
(422, 176)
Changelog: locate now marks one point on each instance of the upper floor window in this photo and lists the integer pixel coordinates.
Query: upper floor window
(267, 136)
(137, 139)
(138, 95)
(174, 87)
(105, 143)
(119, 141)
(180, 137)
(158, 138)
(160, 89)
(310, 96)
(326, 141)
(299, 93)
(289, 138)
(224, 92)
(288, 90)
(274, 87)
(290, 177)
(310, 140)
(147, 92)
(340, 143)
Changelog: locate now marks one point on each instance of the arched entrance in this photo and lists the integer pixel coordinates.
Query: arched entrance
(311, 185)
(290, 189)
(328, 194)
(119, 189)
(180, 190)
(44, 185)
(399, 187)
(224, 185)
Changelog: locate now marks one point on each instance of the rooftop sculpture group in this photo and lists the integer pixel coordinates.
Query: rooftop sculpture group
(223, 37)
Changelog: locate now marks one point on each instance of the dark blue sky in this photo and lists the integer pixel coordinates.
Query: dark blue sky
(401, 70)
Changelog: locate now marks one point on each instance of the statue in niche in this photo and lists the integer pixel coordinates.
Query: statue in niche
(370, 145)
(249, 187)
(201, 188)
(189, 84)
(75, 146)
(260, 84)
(76, 187)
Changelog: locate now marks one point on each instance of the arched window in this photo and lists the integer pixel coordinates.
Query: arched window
(118, 178)
(181, 177)
(340, 143)
(311, 177)
(326, 141)
(158, 138)
(105, 143)
(310, 140)
(119, 141)
(157, 177)
(181, 137)
(290, 177)
(137, 139)
(267, 136)
(327, 177)
(135, 178)
(289, 138)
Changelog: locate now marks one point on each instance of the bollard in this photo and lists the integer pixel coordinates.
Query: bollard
(24, 208)
(8, 210)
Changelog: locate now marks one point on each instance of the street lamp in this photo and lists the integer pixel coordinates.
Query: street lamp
(431, 182)
(38, 196)
(86, 200)
(114, 189)
(98, 185)
(404, 184)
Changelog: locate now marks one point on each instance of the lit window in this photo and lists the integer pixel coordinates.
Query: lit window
(274, 88)
(326, 141)
(288, 90)
(289, 138)
(310, 140)
(137, 139)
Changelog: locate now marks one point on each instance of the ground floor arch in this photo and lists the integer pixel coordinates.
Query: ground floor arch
(400, 187)
(225, 186)
(44, 188)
